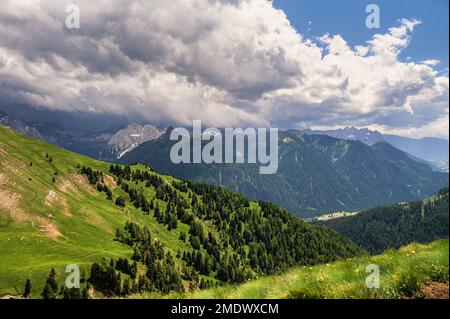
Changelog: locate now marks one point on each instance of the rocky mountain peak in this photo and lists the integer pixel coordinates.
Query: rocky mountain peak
(131, 137)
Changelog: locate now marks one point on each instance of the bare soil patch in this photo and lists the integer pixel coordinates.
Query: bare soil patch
(436, 290)
(110, 182)
(67, 186)
(3, 180)
(81, 182)
(9, 202)
(53, 198)
(46, 226)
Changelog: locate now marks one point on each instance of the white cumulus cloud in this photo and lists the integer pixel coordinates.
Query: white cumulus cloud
(228, 63)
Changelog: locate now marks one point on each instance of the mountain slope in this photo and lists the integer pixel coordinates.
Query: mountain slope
(91, 144)
(393, 226)
(434, 150)
(128, 139)
(59, 208)
(427, 148)
(317, 174)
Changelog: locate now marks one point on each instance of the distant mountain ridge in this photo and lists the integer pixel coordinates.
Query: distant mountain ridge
(317, 174)
(433, 150)
(22, 127)
(107, 145)
(364, 135)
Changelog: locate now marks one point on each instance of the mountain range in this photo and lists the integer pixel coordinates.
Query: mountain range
(435, 151)
(317, 173)
(111, 144)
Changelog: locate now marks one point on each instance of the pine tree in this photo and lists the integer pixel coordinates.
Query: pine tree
(28, 288)
(85, 293)
(120, 201)
(133, 270)
(137, 256)
(126, 290)
(48, 292)
(83, 276)
(51, 280)
(72, 293)
(144, 284)
(118, 285)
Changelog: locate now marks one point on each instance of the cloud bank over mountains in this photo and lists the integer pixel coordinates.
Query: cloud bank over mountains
(228, 63)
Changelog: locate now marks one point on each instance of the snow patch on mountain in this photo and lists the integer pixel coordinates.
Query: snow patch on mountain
(131, 137)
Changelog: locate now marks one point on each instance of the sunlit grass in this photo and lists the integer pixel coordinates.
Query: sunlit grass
(343, 279)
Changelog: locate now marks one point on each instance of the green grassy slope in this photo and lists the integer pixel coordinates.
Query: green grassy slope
(46, 224)
(402, 273)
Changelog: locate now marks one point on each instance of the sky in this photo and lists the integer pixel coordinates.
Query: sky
(347, 18)
(229, 63)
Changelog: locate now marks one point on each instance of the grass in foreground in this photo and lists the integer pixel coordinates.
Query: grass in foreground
(403, 272)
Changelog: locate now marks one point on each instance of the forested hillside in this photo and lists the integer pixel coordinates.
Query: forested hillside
(393, 226)
(317, 174)
(134, 231)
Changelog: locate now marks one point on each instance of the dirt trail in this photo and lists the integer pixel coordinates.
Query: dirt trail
(9, 201)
